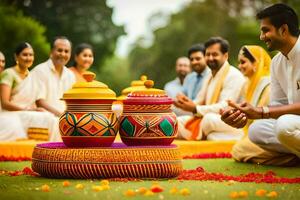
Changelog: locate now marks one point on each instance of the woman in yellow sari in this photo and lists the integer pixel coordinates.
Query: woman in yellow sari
(254, 63)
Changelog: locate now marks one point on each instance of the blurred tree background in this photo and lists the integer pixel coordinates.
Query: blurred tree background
(232, 19)
(39, 21)
(15, 28)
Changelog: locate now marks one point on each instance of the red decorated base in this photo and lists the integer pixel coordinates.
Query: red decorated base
(55, 160)
(133, 141)
(86, 141)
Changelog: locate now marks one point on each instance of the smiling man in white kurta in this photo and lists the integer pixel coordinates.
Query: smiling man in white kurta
(278, 129)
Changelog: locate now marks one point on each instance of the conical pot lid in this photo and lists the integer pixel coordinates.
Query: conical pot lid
(148, 95)
(89, 90)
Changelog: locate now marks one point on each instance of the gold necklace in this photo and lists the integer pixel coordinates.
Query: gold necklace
(20, 72)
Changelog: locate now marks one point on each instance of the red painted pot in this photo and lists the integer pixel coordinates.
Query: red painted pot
(89, 120)
(147, 118)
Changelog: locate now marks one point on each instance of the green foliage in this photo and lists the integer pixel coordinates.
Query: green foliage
(232, 19)
(81, 21)
(15, 28)
(115, 73)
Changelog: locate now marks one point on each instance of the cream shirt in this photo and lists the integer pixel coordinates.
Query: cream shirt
(50, 86)
(285, 77)
(231, 90)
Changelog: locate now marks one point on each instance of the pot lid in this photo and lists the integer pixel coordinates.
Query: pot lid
(89, 90)
(148, 95)
(135, 85)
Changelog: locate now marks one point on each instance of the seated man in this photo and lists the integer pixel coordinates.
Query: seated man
(278, 131)
(173, 88)
(193, 82)
(182, 68)
(224, 83)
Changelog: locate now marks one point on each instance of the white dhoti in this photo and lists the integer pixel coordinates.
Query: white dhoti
(280, 135)
(46, 120)
(11, 128)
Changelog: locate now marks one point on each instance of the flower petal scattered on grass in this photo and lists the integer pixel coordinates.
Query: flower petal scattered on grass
(208, 155)
(234, 195)
(156, 188)
(97, 188)
(66, 183)
(25, 171)
(45, 188)
(129, 193)
(173, 190)
(199, 174)
(79, 186)
(104, 182)
(148, 193)
(272, 194)
(261, 192)
(16, 159)
(243, 194)
(105, 187)
(185, 192)
(142, 190)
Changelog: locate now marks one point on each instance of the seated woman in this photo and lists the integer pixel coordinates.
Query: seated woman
(254, 63)
(9, 133)
(84, 58)
(24, 108)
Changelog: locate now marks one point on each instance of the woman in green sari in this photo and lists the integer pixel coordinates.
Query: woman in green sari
(23, 106)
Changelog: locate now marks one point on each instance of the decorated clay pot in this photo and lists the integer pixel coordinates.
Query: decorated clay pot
(135, 85)
(147, 118)
(89, 120)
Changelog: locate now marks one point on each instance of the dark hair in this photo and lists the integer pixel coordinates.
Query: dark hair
(79, 48)
(218, 40)
(21, 47)
(59, 38)
(280, 14)
(196, 48)
(247, 54)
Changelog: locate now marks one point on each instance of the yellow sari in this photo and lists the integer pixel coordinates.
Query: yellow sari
(257, 93)
(257, 88)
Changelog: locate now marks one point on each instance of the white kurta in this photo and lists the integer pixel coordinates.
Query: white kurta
(282, 134)
(212, 125)
(50, 86)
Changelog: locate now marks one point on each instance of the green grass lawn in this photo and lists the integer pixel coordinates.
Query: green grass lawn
(28, 187)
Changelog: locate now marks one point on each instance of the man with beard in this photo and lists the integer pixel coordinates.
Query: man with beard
(182, 68)
(224, 83)
(278, 130)
(194, 81)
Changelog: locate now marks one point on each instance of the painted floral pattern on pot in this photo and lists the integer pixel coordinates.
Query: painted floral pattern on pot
(90, 124)
(147, 118)
(89, 120)
(144, 125)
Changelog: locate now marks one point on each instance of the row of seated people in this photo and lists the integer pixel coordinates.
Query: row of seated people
(200, 95)
(31, 99)
(222, 84)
